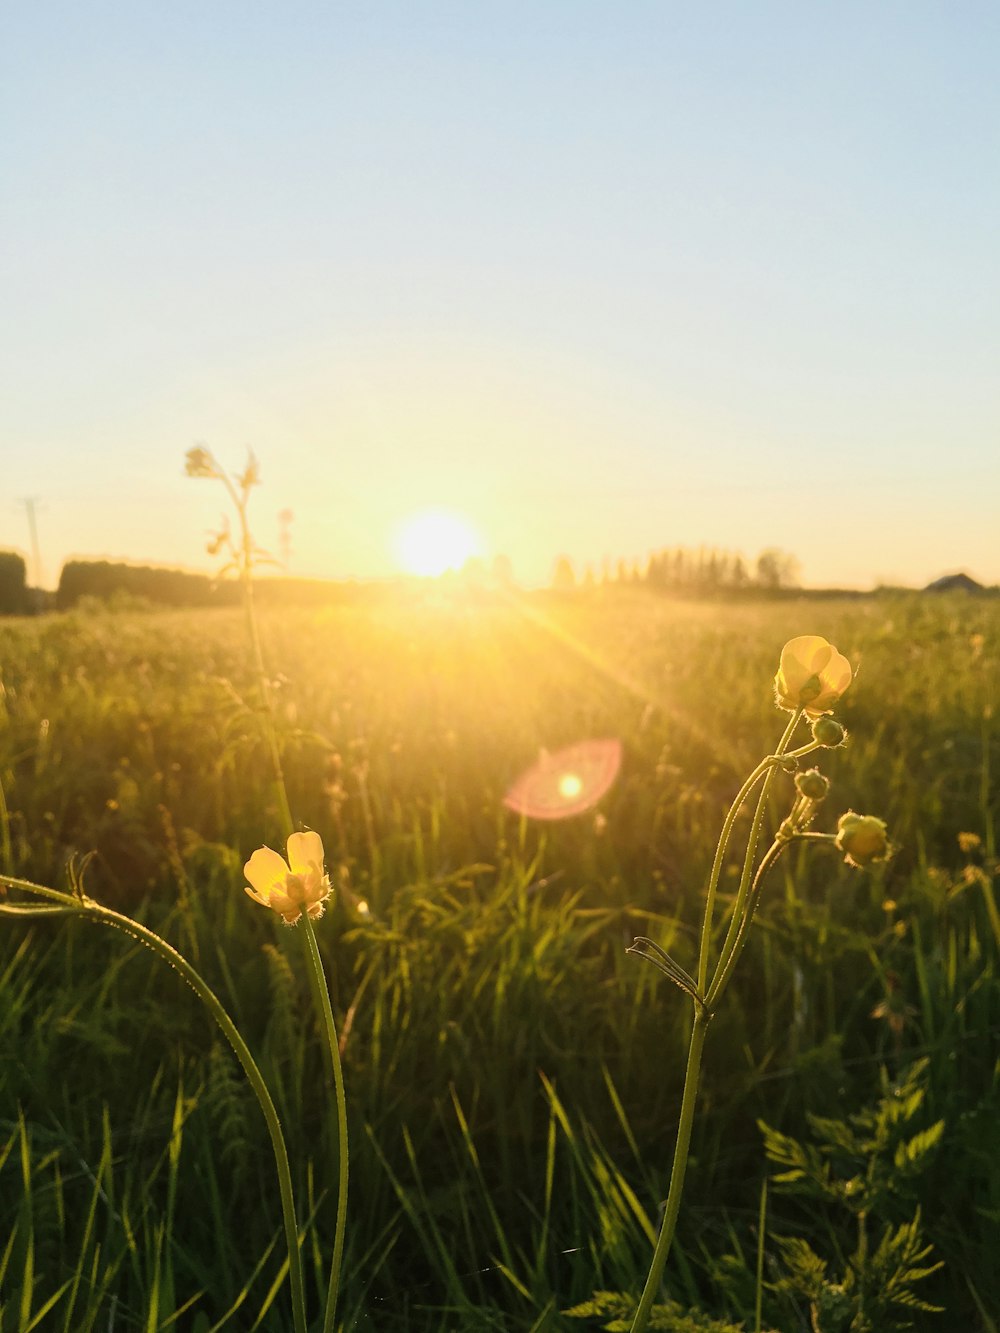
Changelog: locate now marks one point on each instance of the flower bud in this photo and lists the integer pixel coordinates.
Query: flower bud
(862, 839)
(828, 732)
(812, 784)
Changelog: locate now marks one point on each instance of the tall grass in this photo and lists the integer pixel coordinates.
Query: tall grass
(513, 1079)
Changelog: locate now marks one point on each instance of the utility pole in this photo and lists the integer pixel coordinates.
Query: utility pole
(29, 503)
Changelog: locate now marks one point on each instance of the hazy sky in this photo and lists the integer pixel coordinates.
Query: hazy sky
(601, 277)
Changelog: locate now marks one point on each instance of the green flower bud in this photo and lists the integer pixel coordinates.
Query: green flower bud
(812, 784)
(862, 838)
(828, 732)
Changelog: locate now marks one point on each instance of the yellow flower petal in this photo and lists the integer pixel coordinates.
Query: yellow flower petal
(806, 655)
(255, 896)
(838, 673)
(264, 870)
(305, 853)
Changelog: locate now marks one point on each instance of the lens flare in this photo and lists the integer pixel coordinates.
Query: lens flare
(566, 782)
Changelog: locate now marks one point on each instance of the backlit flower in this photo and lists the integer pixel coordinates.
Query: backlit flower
(862, 839)
(812, 675)
(290, 887)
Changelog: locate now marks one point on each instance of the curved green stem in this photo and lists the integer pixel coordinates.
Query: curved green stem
(321, 997)
(720, 852)
(803, 750)
(677, 1171)
(763, 768)
(86, 907)
(69, 902)
(6, 850)
(758, 819)
(722, 976)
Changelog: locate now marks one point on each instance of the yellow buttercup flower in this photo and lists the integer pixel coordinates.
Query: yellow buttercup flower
(812, 675)
(290, 887)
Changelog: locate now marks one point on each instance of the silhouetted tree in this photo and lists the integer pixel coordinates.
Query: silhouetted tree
(164, 587)
(13, 584)
(777, 569)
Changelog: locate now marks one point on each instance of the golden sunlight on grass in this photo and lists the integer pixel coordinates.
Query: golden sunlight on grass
(435, 540)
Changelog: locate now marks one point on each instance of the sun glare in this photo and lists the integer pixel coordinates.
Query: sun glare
(566, 782)
(434, 541)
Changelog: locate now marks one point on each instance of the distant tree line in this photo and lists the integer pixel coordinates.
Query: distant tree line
(13, 584)
(702, 571)
(107, 579)
(114, 581)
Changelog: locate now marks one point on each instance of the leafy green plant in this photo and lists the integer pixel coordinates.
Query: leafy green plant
(664, 1317)
(861, 1165)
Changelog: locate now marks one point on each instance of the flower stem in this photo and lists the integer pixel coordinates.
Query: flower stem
(758, 819)
(270, 735)
(764, 768)
(87, 908)
(677, 1171)
(720, 851)
(321, 997)
(742, 914)
(722, 976)
(6, 851)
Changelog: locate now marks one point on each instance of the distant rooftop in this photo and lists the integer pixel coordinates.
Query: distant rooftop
(960, 582)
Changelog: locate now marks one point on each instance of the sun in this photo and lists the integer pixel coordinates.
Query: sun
(436, 540)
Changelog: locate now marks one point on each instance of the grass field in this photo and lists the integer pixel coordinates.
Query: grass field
(512, 1076)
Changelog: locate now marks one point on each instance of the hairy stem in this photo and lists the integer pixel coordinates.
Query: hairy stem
(748, 860)
(763, 768)
(677, 1170)
(321, 997)
(725, 970)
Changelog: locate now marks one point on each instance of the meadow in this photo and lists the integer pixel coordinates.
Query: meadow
(513, 1076)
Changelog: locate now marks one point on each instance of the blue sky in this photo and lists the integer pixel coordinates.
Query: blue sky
(602, 278)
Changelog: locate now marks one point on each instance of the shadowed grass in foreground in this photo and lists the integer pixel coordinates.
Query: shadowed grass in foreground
(494, 1033)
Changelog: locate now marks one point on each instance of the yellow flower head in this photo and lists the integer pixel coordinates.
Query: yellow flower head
(290, 887)
(812, 675)
(862, 839)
